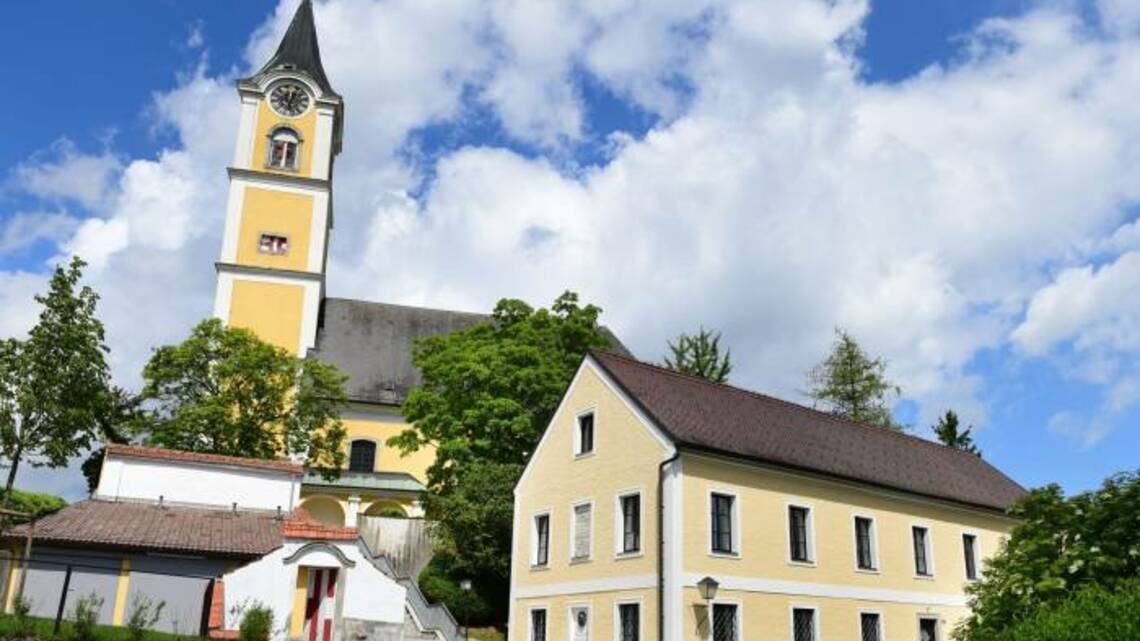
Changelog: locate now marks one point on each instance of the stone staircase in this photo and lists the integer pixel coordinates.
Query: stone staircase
(425, 621)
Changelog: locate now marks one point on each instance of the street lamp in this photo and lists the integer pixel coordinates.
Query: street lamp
(465, 585)
(707, 587)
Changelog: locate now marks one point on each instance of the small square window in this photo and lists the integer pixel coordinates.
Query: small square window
(870, 626)
(274, 244)
(585, 439)
(803, 624)
(726, 625)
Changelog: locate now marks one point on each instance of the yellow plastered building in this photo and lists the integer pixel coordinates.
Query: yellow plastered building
(272, 278)
(663, 506)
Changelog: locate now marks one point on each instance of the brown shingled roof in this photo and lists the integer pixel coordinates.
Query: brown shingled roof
(163, 454)
(708, 416)
(147, 526)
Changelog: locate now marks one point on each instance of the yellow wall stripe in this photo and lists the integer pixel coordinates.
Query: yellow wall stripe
(121, 592)
(297, 624)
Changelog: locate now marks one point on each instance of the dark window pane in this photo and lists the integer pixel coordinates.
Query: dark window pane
(538, 625)
(631, 523)
(585, 433)
(542, 551)
(798, 534)
(803, 622)
(724, 622)
(928, 629)
(722, 523)
(920, 561)
(362, 456)
(863, 550)
(969, 542)
(630, 625)
(869, 622)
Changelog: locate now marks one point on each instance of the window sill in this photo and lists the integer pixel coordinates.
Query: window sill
(629, 555)
(802, 564)
(287, 170)
(924, 577)
(725, 555)
(540, 568)
(580, 560)
(578, 457)
(873, 571)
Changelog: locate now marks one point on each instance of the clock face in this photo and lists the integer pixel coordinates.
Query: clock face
(289, 100)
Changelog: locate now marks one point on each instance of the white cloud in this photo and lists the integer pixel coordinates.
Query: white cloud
(24, 229)
(779, 196)
(64, 174)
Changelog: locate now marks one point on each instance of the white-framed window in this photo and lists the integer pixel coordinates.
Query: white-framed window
(584, 433)
(579, 622)
(273, 244)
(540, 536)
(725, 622)
(928, 628)
(801, 534)
(627, 620)
(805, 623)
(724, 523)
(923, 551)
(866, 543)
(970, 555)
(627, 524)
(582, 531)
(284, 149)
(537, 625)
(871, 625)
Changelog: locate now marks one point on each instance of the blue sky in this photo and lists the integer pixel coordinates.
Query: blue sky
(947, 180)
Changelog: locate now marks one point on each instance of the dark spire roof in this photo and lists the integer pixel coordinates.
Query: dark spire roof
(299, 51)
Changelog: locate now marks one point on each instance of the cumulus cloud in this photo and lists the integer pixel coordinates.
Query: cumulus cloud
(62, 173)
(22, 230)
(777, 194)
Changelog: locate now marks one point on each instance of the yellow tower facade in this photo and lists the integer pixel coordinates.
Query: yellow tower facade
(271, 272)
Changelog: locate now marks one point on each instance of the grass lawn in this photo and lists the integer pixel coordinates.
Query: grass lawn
(42, 629)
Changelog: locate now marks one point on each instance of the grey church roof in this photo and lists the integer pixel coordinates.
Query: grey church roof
(299, 50)
(371, 343)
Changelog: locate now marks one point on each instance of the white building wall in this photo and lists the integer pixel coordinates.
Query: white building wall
(204, 484)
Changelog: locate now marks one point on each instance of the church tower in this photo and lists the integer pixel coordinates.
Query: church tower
(271, 273)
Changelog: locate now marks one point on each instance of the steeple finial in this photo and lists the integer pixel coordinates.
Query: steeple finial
(299, 51)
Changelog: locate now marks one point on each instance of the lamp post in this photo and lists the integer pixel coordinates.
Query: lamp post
(465, 585)
(707, 588)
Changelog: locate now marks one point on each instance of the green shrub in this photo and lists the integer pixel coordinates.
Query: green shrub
(470, 607)
(87, 617)
(34, 502)
(144, 613)
(1093, 614)
(24, 624)
(257, 624)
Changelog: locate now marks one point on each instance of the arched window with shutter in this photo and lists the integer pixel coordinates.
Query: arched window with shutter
(284, 148)
(362, 456)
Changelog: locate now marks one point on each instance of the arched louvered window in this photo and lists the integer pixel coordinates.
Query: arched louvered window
(284, 148)
(362, 456)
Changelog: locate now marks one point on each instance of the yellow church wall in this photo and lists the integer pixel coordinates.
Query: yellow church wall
(762, 500)
(272, 310)
(280, 213)
(267, 122)
(379, 425)
(769, 616)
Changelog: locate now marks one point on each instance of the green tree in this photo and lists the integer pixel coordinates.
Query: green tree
(851, 384)
(699, 354)
(225, 391)
(950, 433)
(1059, 546)
(54, 383)
(1093, 614)
(122, 415)
(488, 392)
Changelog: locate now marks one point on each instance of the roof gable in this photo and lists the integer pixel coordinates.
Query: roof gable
(702, 415)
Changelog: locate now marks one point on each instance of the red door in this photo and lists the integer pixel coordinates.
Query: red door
(320, 606)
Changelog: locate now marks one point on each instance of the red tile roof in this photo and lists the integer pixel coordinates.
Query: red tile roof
(163, 454)
(147, 526)
(301, 525)
(705, 416)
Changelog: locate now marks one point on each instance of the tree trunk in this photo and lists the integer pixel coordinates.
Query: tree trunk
(12, 475)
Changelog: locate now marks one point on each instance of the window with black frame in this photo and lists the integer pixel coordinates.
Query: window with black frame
(921, 551)
(585, 434)
(870, 627)
(722, 535)
(538, 625)
(803, 624)
(724, 622)
(969, 549)
(629, 621)
(864, 548)
(362, 456)
(631, 523)
(542, 539)
(798, 533)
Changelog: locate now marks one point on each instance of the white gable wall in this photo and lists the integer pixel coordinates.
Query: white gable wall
(197, 483)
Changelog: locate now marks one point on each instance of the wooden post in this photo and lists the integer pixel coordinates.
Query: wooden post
(62, 601)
